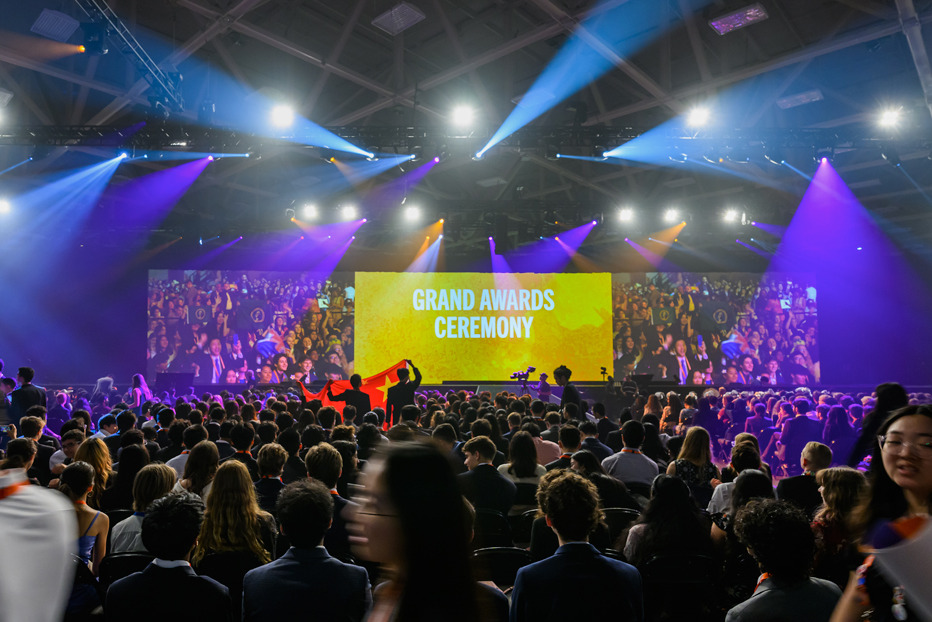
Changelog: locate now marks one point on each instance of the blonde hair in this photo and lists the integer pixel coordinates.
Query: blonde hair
(818, 455)
(232, 519)
(153, 481)
(696, 447)
(94, 451)
(271, 459)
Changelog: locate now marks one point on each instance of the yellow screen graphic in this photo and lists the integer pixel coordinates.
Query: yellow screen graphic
(480, 326)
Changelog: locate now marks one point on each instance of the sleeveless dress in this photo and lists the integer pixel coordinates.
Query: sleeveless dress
(86, 542)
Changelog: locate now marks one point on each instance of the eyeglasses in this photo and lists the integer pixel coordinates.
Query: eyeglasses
(899, 447)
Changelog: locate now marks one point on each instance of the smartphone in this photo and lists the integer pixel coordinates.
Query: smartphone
(4, 429)
(699, 340)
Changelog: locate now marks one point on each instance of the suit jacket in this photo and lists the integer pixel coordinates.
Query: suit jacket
(802, 490)
(22, 399)
(551, 589)
(571, 394)
(113, 444)
(358, 399)
(486, 488)
(598, 448)
(400, 395)
(812, 599)
(551, 434)
(40, 466)
(185, 597)
(563, 462)
(247, 460)
(796, 433)
(305, 584)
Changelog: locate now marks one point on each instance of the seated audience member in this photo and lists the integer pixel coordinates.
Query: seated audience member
(756, 423)
(671, 523)
(235, 527)
(77, 480)
(169, 531)
(412, 497)
(175, 441)
(630, 465)
(294, 469)
(547, 451)
(836, 552)
(777, 534)
(21, 454)
(242, 437)
(39, 529)
(803, 490)
(271, 461)
(612, 493)
(327, 587)
(325, 464)
(444, 436)
(797, 432)
(200, 469)
(523, 470)
(570, 441)
(743, 456)
(482, 484)
(153, 482)
(729, 474)
(739, 571)
(94, 452)
(554, 588)
(70, 440)
(694, 466)
(126, 421)
(192, 436)
(590, 441)
(31, 428)
(119, 496)
(350, 472)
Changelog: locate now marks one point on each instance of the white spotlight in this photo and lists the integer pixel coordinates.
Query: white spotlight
(730, 215)
(671, 215)
(463, 116)
(626, 214)
(349, 212)
(890, 117)
(412, 213)
(5, 207)
(309, 212)
(697, 117)
(282, 115)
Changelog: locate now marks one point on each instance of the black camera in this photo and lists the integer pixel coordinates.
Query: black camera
(523, 375)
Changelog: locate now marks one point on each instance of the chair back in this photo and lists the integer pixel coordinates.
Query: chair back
(115, 517)
(618, 519)
(521, 527)
(526, 495)
(229, 568)
(491, 529)
(499, 564)
(639, 488)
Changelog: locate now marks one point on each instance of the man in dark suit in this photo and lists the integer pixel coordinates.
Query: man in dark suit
(803, 490)
(797, 432)
(552, 433)
(590, 441)
(26, 395)
(126, 421)
(169, 531)
(356, 398)
(561, 375)
(570, 440)
(325, 465)
(31, 428)
(401, 394)
(683, 362)
(577, 582)
(242, 438)
(483, 485)
(328, 588)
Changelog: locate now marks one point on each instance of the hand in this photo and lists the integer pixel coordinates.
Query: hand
(409, 362)
(11, 431)
(715, 482)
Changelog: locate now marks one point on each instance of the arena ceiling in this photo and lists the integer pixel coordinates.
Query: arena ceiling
(342, 71)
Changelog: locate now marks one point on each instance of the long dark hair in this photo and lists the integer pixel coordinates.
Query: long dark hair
(132, 459)
(674, 522)
(885, 500)
(522, 453)
(423, 488)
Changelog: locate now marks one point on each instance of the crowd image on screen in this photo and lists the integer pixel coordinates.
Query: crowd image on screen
(716, 328)
(250, 327)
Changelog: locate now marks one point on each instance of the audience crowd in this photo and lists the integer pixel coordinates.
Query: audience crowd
(234, 327)
(724, 505)
(691, 329)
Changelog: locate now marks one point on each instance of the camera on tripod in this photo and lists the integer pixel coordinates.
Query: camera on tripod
(522, 376)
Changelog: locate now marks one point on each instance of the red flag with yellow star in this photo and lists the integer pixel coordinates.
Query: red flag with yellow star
(375, 386)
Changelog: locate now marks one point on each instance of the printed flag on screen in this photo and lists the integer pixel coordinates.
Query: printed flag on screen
(375, 386)
(735, 345)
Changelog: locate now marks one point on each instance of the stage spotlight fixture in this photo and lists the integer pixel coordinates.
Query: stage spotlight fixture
(282, 116)
(210, 158)
(412, 213)
(309, 212)
(671, 215)
(730, 215)
(463, 116)
(697, 117)
(5, 207)
(124, 155)
(349, 212)
(289, 214)
(626, 214)
(890, 118)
